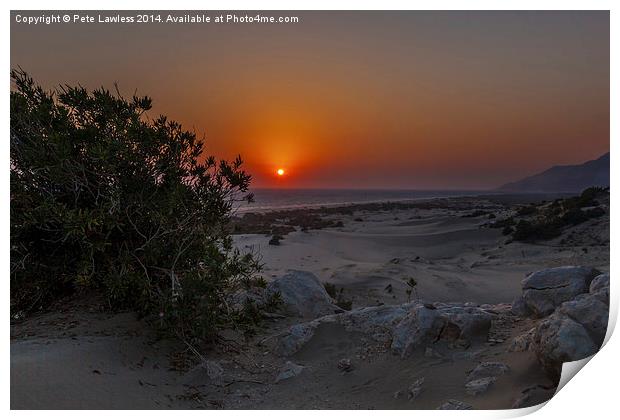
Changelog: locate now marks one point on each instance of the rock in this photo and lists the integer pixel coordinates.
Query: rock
(600, 288)
(575, 330)
(487, 369)
(345, 365)
(295, 337)
(559, 339)
(375, 321)
(599, 283)
(590, 312)
(454, 405)
(405, 327)
(545, 290)
(302, 295)
(452, 323)
(255, 295)
(520, 308)
(398, 395)
(289, 370)
(523, 342)
(275, 240)
(415, 389)
(479, 386)
(420, 326)
(533, 396)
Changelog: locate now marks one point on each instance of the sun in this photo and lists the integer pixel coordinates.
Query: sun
(280, 172)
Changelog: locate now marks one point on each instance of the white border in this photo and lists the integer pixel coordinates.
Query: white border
(592, 394)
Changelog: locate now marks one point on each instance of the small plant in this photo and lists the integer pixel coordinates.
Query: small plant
(331, 289)
(412, 290)
(338, 295)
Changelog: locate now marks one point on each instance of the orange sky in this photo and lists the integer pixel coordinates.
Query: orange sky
(359, 99)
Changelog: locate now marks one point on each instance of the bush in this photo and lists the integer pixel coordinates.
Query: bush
(542, 229)
(338, 295)
(104, 198)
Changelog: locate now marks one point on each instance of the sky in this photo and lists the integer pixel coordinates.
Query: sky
(404, 100)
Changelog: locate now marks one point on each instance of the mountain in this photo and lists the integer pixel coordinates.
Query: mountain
(565, 178)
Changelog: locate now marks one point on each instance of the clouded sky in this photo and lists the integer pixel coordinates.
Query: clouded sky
(358, 99)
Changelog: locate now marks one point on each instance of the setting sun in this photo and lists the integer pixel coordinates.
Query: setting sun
(280, 172)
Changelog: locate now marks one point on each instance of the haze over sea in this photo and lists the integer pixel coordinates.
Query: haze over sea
(275, 198)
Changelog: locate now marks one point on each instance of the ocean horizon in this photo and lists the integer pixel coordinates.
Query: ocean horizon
(290, 198)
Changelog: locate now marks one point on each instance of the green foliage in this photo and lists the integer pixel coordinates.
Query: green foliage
(338, 295)
(548, 222)
(331, 289)
(105, 198)
(537, 230)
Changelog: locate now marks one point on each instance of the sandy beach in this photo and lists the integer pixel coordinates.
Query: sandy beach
(75, 356)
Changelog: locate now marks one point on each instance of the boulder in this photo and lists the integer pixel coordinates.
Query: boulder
(590, 312)
(405, 327)
(545, 290)
(559, 339)
(600, 282)
(600, 288)
(575, 330)
(488, 369)
(520, 307)
(302, 295)
(451, 323)
(376, 321)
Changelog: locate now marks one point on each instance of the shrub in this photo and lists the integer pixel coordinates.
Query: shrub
(338, 295)
(331, 289)
(542, 229)
(105, 198)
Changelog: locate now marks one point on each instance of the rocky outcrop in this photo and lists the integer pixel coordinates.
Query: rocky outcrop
(302, 295)
(576, 327)
(405, 327)
(545, 290)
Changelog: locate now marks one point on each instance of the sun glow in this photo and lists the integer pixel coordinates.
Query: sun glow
(280, 172)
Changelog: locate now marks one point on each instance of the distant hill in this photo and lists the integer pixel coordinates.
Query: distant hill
(566, 178)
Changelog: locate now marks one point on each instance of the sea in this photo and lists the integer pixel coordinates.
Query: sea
(266, 199)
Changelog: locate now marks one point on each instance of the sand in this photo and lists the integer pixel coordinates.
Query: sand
(82, 358)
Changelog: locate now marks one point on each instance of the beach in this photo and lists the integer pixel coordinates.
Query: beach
(76, 356)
